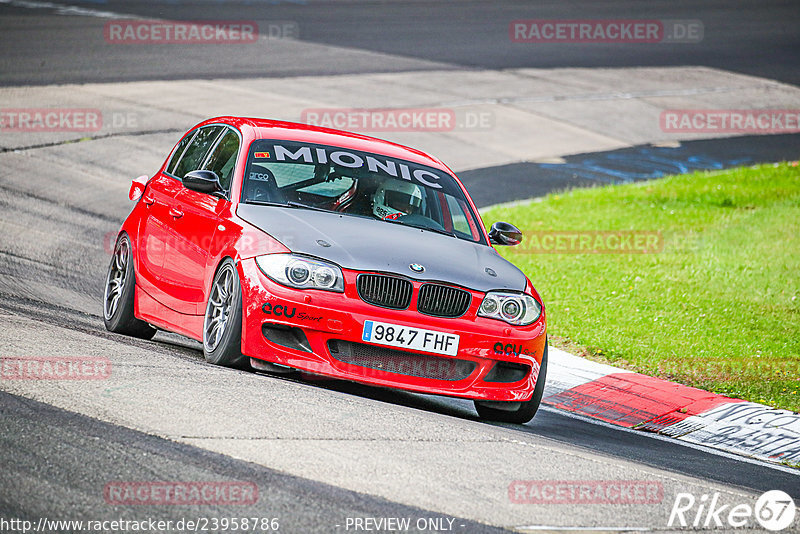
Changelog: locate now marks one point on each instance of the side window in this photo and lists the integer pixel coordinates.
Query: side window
(193, 157)
(460, 223)
(223, 159)
(179, 152)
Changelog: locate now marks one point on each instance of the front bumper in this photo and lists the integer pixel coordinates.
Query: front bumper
(320, 332)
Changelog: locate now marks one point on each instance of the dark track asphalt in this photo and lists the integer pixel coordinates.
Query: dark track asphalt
(757, 37)
(608, 440)
(506, 183)
(58, 464)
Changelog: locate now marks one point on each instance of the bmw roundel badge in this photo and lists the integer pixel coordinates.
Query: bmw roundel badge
(416, 267)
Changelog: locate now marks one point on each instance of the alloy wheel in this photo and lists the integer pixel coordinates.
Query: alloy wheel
(219, 307)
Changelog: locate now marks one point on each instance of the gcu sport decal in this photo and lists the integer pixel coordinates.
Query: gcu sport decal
(512, 348)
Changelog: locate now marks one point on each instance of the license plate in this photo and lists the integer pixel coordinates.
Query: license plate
(408, 337)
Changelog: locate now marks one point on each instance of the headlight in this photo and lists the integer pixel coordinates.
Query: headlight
(512, 308)
(301, 272)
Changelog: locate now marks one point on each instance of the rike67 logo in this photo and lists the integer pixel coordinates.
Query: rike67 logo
(774, 510)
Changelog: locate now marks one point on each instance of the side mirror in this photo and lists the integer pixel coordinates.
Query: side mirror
(138, 186)
(203, 182)
(503, 233)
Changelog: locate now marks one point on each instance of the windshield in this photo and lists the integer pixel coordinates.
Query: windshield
(351, 182)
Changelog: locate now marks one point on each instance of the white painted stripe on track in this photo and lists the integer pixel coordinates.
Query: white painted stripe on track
(735, 432)
(746, 428)
(67, 10)
(566, 371)
(691, 445)
(547, 528)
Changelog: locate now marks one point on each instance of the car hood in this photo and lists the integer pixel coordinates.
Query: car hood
(364, 244)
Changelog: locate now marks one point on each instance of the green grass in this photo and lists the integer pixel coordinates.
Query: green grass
(718, 308)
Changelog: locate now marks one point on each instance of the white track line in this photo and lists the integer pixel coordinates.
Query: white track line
(61, 9)
(653, 435)
(583, 529)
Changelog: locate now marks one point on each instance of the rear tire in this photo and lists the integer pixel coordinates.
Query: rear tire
(526, 410)
(222, 325)
(119, 294)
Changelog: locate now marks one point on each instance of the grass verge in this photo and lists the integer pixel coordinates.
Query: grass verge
(715, 305)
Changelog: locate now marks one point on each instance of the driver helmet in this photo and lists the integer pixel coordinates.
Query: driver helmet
(395, 198)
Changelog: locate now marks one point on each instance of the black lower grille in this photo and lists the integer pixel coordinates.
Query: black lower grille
(386, 291)
(507, 372)
(399, 362)
(443, 301)
(287, 336)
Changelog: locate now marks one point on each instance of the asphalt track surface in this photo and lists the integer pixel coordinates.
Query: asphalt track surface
(118, 453)
(56, 460)
(754, 37)
(530, 180)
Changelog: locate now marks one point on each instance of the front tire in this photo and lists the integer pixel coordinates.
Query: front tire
(118, 297)
(522, 413)
(222, 325)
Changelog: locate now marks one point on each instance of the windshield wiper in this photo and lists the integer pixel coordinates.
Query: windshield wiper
(263, 202)
(422, 227)
(300, 205)
(291, 204)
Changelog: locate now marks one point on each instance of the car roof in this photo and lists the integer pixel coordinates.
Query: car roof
(292, 131)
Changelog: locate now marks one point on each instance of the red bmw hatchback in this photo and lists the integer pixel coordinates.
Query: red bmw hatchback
(289, 247)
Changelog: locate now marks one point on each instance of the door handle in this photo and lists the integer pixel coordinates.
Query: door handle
(148, 200)
(176, 213)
